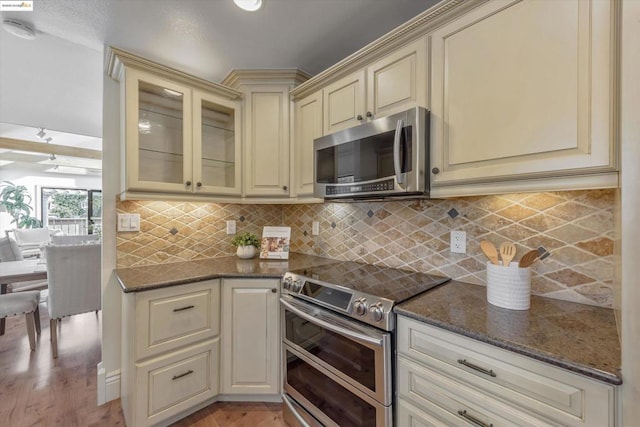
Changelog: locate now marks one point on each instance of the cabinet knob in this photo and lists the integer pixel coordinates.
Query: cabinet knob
(198, 184)
(274, 290)
(359, 117)
(284, 187)
(435, 171)
(188, 183)
(369, 114)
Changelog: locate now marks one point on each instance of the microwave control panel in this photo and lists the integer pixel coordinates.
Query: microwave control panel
(371, 187)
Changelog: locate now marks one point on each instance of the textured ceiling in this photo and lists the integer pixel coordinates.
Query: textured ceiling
(55, 80)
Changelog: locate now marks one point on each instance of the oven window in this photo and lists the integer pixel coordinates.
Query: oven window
(364, 159)
(336, 402)
(347, 356)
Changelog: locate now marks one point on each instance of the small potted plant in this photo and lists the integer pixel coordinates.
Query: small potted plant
(247, 244)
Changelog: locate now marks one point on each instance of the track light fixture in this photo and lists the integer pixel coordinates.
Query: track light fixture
(41, 133)
(48, 140)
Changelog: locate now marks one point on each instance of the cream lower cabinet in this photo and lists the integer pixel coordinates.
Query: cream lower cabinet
(250, 337)
(393, 83)
(523, 98)
(447, 379)
(170, 352)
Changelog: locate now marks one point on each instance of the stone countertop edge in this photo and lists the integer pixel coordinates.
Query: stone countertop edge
(149, 277)
(438, 307)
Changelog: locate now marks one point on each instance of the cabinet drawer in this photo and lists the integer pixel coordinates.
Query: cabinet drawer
(444, 398)
(172, 317)
(174, 383)
(550, 392)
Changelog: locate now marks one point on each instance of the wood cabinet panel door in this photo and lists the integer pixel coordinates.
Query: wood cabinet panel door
(344, 103)
(250, 336)
(523, 90)
(308, 119)
(267, 142)
(398, 81)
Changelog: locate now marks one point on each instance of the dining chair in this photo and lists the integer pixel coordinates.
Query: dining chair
(23, 303)
(9, 251)
(30, 240)
(73, 273)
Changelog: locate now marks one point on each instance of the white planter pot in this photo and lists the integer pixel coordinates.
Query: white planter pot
(246, 252)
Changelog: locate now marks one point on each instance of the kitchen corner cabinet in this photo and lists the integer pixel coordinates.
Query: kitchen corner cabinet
(523, 98)
(181, 134)
(396, 82)
(308, 126)
(170, 351)
(446, 379)
(268, 131)
(250, 363)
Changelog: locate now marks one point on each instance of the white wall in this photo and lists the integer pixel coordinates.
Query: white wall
(34, 181)
(630, 212)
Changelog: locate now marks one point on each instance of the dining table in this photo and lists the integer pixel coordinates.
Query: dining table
(20, 271)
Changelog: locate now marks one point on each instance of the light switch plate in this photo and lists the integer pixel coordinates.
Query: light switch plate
(128, 222)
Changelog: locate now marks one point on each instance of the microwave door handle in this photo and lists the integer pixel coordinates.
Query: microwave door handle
(396, 153)
(334, 328)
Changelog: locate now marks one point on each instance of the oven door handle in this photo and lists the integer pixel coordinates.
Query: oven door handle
(378, 342)
(396, 153)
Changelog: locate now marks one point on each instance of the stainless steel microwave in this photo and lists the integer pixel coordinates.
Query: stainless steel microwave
(384, 158)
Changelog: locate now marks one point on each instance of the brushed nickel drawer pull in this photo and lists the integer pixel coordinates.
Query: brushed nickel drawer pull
(189, 372)
(473, 419)
(476, 368)
(184, 308)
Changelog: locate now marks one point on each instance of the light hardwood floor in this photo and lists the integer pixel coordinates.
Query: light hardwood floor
(36, 390)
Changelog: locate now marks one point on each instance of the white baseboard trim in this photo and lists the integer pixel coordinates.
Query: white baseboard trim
(108, 385)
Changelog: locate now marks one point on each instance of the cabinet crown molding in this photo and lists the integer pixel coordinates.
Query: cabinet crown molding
(239, 77)
(117, 59)
(418, 26)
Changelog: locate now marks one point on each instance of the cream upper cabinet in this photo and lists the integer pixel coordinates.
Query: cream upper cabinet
(398, 81)
(522, 98)
(266, 155)
(250, 344)
(395, 82)
(344, 103)
(268, 143)
(308, 126)
(181, 135)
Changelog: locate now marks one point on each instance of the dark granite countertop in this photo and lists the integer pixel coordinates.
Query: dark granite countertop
(136, 279)
(577, 337)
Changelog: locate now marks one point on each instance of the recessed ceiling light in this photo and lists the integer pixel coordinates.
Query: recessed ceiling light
(19, 29)
(249, 5)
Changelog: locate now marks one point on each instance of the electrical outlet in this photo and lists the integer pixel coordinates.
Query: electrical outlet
(231, 227)
(315, 228)
(458, 242)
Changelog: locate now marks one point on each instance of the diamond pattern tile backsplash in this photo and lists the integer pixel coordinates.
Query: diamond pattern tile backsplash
(577, 227)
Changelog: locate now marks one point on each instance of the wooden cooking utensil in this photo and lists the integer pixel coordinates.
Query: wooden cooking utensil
(528, 258)
(507, 252)
(489, 249)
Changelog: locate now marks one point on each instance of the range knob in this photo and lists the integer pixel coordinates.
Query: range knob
(377, 312)
(360, 306)
(296, 285)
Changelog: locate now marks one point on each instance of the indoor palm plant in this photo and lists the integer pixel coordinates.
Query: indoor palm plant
(246, 243)
(15, 199)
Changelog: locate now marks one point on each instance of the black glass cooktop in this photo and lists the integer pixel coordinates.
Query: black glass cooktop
(383, 282)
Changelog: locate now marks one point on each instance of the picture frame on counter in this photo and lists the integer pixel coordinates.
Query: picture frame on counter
(275, 242)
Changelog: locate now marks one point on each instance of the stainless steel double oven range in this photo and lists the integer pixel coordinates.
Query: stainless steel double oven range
(338, 340)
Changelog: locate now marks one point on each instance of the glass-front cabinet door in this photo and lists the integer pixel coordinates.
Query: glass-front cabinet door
(216, 144)
(158, 134)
